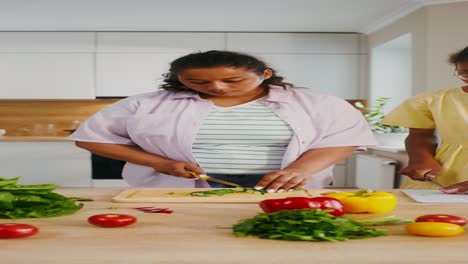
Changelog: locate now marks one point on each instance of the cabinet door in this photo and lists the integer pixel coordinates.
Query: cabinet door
(339, 176)
(61, 163)
(295, 43)
(46, 76)
(47, 65)
(326, 63)
(133, 63)
(125, 74)
(47, 42)
(327, 74)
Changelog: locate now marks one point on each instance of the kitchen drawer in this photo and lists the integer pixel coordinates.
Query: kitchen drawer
(61, 163)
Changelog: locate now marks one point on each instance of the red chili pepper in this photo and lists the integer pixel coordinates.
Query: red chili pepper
(294, 203)
(151, 209)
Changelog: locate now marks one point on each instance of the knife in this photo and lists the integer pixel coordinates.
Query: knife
(435, 182)
(205, 177)
(432, 180)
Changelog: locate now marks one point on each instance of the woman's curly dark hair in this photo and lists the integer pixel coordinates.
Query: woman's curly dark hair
(460, 56)
(216, 58)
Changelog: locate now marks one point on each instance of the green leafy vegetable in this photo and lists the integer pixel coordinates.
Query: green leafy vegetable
(305, 225)
(5, 181)
(33, 201)
(82, 199)
(388, 220)
(221, 192)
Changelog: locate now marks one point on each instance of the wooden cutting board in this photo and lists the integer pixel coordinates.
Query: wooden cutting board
(181, 195)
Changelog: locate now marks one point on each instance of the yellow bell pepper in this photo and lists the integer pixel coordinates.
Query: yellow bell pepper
(365, 201)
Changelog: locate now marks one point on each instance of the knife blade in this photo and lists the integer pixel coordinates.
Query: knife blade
(429, 177)
(435, 182)
(221, 181)
(205, 177)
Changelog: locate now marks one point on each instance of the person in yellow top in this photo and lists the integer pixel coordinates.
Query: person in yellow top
(444, 111)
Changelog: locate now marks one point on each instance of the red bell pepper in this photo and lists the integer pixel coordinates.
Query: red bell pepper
(294, 203)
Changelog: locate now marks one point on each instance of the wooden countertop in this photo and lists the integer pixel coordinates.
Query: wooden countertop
(190, 235)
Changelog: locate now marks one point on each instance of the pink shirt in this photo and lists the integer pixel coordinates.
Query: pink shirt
(166, 123)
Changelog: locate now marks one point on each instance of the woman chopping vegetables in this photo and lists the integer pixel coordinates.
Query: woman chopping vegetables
(229, 116)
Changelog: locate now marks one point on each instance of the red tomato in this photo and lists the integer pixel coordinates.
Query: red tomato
(112, 220)
(13, 230)
(451, 219)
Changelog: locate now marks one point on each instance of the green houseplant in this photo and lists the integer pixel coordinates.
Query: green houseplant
(374, 116)
(385, 134)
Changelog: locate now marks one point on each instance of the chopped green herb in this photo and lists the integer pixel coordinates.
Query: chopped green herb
(221, 192)
(305, 225)
(388, 220)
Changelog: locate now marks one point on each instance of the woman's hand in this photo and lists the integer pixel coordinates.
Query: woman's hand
(420, 145)
(136, 155)
(299, 173)
(283, 180)
(457, 188)
(177, 168)
(422, 170)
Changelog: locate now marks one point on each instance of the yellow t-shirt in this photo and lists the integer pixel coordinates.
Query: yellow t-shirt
(446, 111)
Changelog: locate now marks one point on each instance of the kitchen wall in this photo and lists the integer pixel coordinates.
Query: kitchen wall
(390, 72)
(437, 31)
(415, 24)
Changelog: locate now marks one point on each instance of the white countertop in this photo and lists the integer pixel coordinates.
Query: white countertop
(394, 149)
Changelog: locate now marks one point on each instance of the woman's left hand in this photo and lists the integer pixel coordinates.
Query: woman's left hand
(458, 188)
(283, 180)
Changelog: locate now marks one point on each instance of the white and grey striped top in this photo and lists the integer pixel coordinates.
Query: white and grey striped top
(243, 139)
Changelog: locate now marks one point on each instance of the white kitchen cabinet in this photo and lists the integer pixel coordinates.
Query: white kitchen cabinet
(332, 74)
(132, 63)
(158, 42)
(295, 43)
(326, 63)
(39, 162)
(47, 41)
(125, 74)
(375, 172)
(46, 76)
(83, 65)
(341, 174)
(47, 65)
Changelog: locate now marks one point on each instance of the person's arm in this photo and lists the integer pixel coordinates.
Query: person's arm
(297, 174)
(136, 155)
(420, 145)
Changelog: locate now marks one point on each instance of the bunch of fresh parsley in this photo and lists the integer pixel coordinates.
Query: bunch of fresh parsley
(304, 224)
